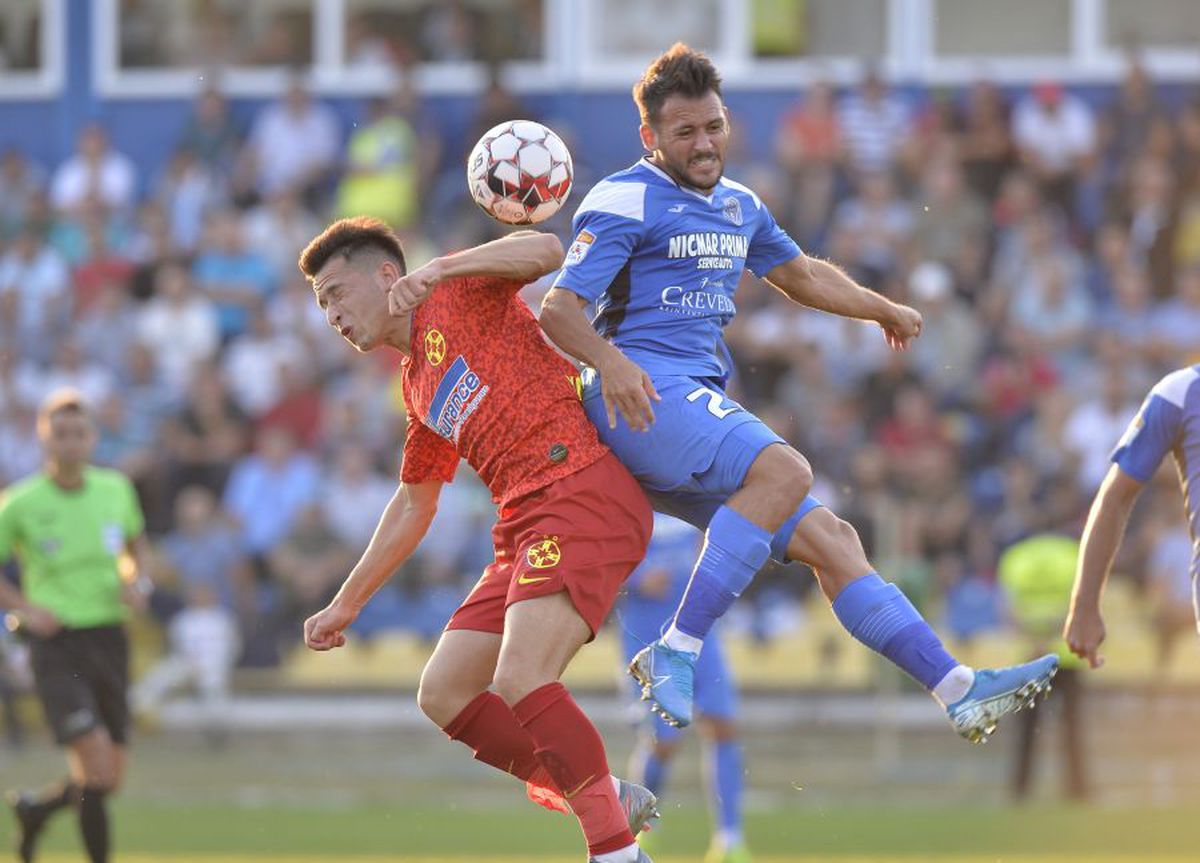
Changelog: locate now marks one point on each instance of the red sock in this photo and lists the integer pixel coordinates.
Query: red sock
(488, 727)
(572, 752)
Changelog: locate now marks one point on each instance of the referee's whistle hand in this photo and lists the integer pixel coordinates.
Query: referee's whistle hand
(38, 621)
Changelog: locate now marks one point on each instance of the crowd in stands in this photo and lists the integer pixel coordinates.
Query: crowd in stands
(1052, 244)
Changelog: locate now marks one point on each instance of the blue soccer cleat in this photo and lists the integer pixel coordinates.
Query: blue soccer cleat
(641, 858)
(667, 677)
(999, 692)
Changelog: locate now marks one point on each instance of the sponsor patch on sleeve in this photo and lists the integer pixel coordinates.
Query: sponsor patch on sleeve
(579, 248)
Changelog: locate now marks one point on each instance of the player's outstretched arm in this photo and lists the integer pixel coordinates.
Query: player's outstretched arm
(522, 257)
(401, 527)
(1084, 628)
(821, 285)
(624, 384)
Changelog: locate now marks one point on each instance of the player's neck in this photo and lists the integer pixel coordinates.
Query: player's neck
(400, 334)
(66, 477)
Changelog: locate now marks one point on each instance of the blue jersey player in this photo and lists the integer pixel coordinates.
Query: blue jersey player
(653, 593)
(660, 248)
(1168, 422)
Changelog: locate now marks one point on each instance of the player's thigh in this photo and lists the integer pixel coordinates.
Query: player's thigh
(541, 636)
(691, 422)
(462, 666)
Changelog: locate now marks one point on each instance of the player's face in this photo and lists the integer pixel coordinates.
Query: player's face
(69, 439)
(690, 138)
(353, 295)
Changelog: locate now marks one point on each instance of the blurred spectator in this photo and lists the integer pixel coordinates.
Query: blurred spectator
(1177, 321)
(237, 278)
(102, 265)
(279, 229)
(383, 169)
(293, 146)
(986, 143)
(308, 566)
(187, 190)
(35, 281)
(354, 495)
(95, 173)
(1148, 209)
(207, 436)
(1037, 574)
(254, 361)
(20, 181)
(179, 325)
(268, 489)
(948, 352)
(808, 147)
(203, 647)
(875, 124)
(20, 454)
(448, 33)
(1169, 582)
(1093, 429)
(1055, 133)
(108, 327)
(880, 222)
(1129, 120)
(212, 135)
(205, 552)
(948, 215)
(71, 369)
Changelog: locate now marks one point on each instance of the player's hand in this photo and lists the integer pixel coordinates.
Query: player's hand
(628, 389)
(1084, 633)
(325, 630)
(409, 291)
(39, 621)
(901, 327)
(136, 595)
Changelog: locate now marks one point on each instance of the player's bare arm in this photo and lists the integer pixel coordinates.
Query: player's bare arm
(522, 256)
(29, 617)
(401, 528)
(821, 285)
(1084, 628)
(625, 386)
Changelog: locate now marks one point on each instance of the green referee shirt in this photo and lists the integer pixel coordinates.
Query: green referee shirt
(1038, 574)
(68, 543)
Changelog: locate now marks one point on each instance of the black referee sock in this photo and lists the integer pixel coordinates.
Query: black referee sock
(93, 823)
(50, 799)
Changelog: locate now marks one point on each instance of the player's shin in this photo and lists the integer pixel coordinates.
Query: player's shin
(876, 613)
(735, 548)
(489, 729)
(570, 749)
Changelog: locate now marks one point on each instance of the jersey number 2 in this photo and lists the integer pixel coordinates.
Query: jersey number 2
(714, 402)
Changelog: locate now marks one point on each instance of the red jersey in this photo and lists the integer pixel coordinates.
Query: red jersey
(482, 384)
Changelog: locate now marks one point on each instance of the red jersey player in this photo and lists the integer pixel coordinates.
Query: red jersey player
(480, 383)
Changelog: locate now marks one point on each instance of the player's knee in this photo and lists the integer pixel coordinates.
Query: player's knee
(513, 681)
(440, 700)
(719, 729)
(784, 474)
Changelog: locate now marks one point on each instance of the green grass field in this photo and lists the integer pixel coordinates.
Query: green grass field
(224, 834)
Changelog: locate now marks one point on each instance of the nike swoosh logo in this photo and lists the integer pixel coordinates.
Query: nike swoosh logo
(525, 579)
(569, 794)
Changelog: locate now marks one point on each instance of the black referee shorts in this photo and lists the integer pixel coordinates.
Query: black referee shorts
(82, 679)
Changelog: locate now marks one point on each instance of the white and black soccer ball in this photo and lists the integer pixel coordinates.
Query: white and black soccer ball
(520, 172)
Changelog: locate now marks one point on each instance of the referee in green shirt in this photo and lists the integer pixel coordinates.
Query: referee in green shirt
(74, 529)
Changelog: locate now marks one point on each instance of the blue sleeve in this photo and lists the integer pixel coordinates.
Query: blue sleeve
(1150, 436)
(770, 246)
(603, 244)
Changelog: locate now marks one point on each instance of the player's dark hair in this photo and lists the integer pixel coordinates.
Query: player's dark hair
(678, 70)
(350, 237)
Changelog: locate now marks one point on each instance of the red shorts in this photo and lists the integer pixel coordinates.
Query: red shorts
(583, 534)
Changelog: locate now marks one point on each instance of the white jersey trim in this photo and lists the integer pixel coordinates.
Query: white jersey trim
(1174, 387)
(619, 199)
(743, 188)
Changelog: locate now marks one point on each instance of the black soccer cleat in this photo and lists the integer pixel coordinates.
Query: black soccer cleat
(30, 823)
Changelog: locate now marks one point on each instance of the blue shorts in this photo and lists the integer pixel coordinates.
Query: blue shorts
(716, 692)
(697, 452)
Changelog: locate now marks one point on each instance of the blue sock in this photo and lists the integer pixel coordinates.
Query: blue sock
(734, 551)
(725, 784)
(653, 773)
(881, 617)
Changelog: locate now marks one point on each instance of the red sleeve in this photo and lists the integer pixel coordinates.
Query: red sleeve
(485, 283)
(427, 455)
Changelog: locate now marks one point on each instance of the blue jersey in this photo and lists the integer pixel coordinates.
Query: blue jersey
(673, 548)
(662, 262)
(1169, 422)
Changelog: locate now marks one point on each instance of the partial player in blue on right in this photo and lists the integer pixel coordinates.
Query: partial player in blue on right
(660, 249)
(1168, 422)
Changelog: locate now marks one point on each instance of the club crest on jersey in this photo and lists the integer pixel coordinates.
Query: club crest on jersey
(456, 398)
(579, 248)
(435, 347)
(732, 210)
(544, 554)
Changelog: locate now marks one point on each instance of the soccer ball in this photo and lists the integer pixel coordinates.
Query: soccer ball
(520, 172)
